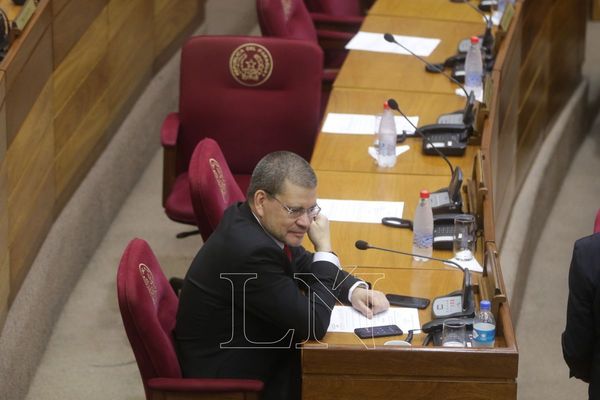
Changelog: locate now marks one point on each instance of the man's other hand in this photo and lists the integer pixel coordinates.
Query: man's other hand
(369, 302)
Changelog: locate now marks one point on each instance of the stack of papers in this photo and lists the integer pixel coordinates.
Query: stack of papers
(370, 41)
(363, 124)
(370, 212)
(346, 319)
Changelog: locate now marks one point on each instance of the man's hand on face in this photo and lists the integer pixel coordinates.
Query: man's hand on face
(318, 233)
(369, 302)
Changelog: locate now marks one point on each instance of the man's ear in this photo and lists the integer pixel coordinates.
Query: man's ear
(260, 197)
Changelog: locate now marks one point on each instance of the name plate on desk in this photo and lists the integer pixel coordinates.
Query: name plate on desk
(24, 16)
(488, 91)
(507, 17)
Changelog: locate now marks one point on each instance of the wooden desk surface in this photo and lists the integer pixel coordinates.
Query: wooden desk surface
(384, 187)
(338, 152)
(428, 283)
(343, 366)
(430, 9)
(372, 70)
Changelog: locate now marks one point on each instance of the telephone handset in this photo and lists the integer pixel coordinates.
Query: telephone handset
(443, 231)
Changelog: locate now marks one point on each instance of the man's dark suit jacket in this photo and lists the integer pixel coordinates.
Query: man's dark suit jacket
(581, 338)
(242, 311)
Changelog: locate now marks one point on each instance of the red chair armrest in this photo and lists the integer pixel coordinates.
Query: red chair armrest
(205, 385)
(170, 130)
(336, 23)
(329, 35)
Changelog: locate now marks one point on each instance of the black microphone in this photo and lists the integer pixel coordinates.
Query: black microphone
(488, 37)
(362, 245)
(390, 38)
(394, 106)
(467, 291)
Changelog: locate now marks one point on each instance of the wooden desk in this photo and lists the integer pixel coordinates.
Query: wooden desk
(384, 187)
(428, 9)
(339, 152)
(347, 368)
(372, 70)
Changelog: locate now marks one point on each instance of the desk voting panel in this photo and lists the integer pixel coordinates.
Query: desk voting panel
(518, 115)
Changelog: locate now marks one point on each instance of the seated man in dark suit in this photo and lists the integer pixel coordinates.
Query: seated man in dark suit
(581, 338)
(253, 293)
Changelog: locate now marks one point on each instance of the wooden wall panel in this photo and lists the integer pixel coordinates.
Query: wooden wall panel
(596, 10)
(65, 86)
(532, 136)
(567, 38)
(4, 265)
(169, 18)
(3, 131)
(81, 60)
(71, 22)
(28, 73)
(81, 151)
(30, 182)
(130, 51)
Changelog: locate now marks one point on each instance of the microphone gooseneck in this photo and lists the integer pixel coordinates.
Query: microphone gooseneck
(488, 37)
(363, 245)
(391, 39)
(394, 106)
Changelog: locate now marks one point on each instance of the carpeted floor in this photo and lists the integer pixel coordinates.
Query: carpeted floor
(88, 355)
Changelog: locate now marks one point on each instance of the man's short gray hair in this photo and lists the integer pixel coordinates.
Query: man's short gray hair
(273, 169)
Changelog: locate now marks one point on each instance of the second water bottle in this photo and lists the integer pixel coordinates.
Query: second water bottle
(423, 228)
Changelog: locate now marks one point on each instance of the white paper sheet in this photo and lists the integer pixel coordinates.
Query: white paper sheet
(370, 212)
(370, 41)
(478, 94)
(399, 150)
(363, 124)
(345, 319)
(472, 265)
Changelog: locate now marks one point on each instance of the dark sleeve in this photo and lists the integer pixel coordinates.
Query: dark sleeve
(324, 271)
(579, 335)
(275, 294)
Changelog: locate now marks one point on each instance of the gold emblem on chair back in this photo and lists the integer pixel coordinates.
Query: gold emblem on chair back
(251, 64)
(148, 279)
(218, 174)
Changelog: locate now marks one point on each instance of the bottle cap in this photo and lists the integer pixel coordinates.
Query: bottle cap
(424, 194)
(474, 39)
(484, 305)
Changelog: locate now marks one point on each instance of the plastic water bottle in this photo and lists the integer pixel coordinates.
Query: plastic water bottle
(474, 68)
(386, 137)
(484, 326)
(423, 228)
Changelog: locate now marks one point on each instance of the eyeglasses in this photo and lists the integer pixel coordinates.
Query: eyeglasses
(297, 212)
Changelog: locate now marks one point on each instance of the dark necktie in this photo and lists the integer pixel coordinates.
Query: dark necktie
(287, 251)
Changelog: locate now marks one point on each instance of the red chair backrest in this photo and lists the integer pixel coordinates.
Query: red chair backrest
(254, 95)
(597, 222)
(285, 19)
(212, 186)
(341, 8)
(148, 307)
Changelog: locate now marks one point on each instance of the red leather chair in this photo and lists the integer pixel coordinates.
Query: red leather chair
(148, 307)
(346, 15)
(597, 222)
(212, 186)
(290, 19)
(339, 8)
(254, 95)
